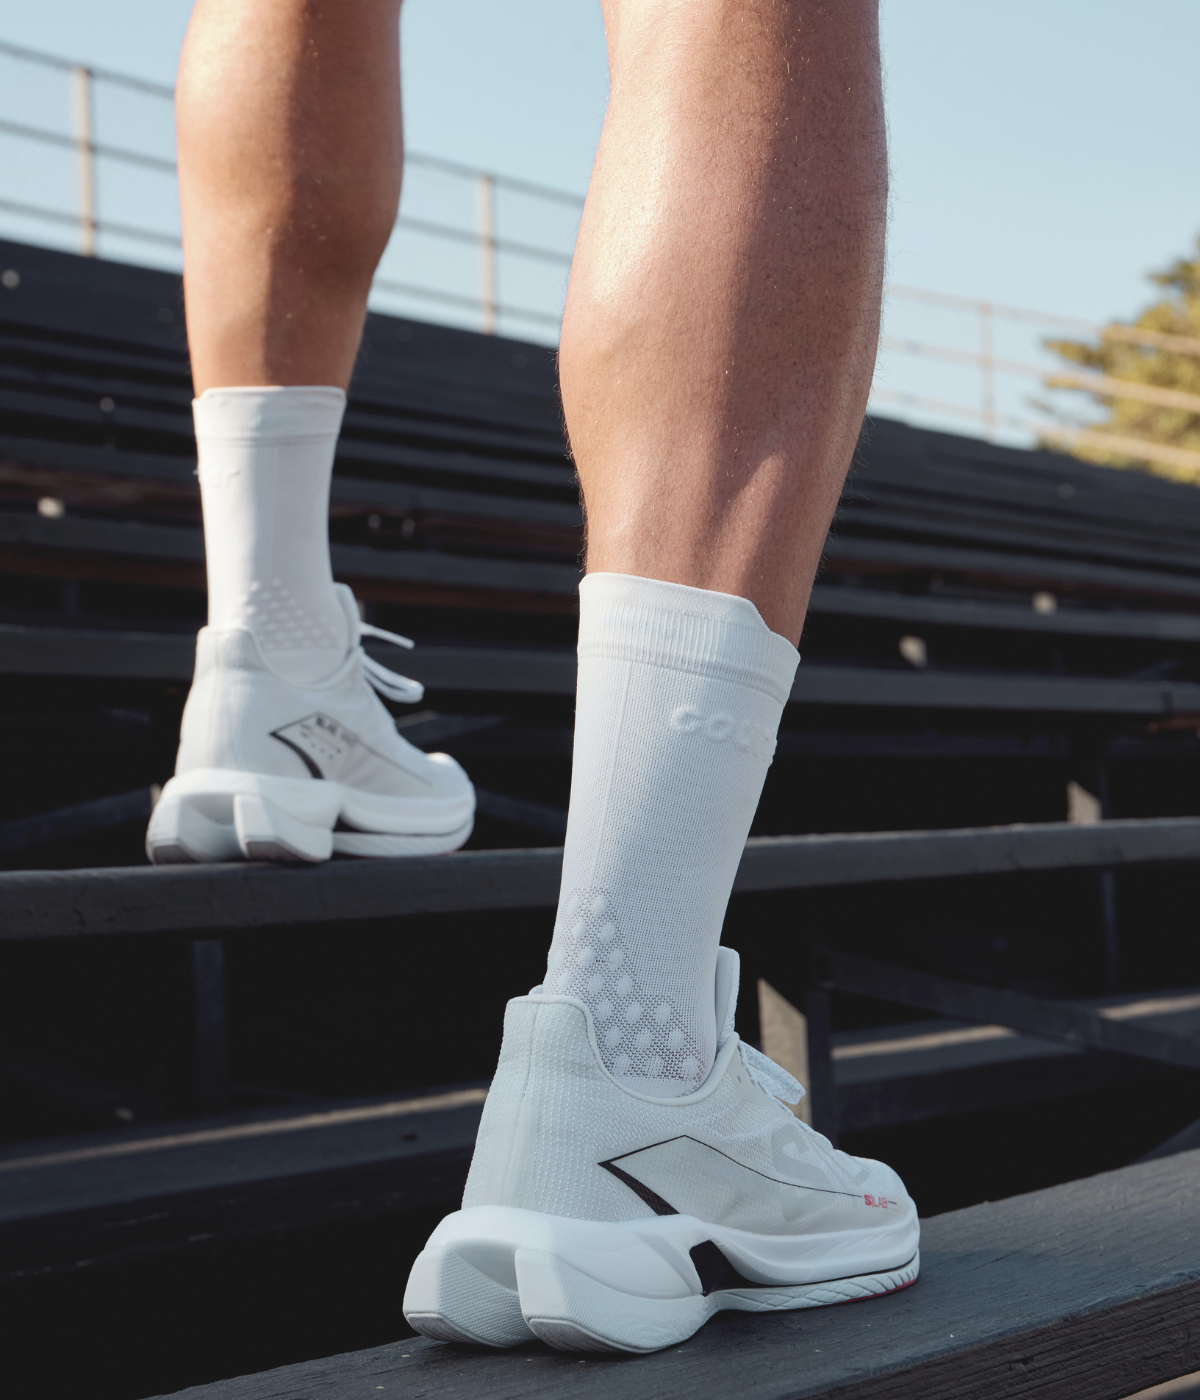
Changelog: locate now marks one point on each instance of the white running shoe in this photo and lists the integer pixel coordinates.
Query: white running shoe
(599, 1219)
(268, 770)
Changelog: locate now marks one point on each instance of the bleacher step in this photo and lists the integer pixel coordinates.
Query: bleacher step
(1090, 1290)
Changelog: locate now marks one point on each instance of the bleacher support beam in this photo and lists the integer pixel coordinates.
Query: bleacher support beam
(1041, 1016)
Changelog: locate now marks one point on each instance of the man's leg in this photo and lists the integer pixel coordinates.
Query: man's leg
(290, 156)
(290, 162)
(633, 1168)
(717, 353)
(723, 315)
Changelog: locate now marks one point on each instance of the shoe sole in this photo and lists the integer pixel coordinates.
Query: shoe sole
(223, 815)
(634, 1286)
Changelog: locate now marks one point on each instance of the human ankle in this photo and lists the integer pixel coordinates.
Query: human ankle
(265, 463)
(679, 700)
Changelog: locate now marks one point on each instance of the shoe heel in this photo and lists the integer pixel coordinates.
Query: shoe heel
(266, 832)
(181, 834)
(572, 1312)
(452, 1300)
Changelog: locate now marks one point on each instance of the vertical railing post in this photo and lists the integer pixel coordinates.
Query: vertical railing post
(987, 369)
(1109, 927)
(85, 146)
(820, 1063)
(210, 1042)
(486, 199)
(1091, 802)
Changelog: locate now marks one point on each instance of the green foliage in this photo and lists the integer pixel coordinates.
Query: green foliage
(1177, 313)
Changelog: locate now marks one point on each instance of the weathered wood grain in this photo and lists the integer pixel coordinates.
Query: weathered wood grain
(185, 899)
(108, 1199)
(1089, 1291)
(1077, 1025)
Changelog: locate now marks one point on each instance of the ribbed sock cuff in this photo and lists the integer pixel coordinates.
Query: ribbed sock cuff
(281, 413)
(627, 618)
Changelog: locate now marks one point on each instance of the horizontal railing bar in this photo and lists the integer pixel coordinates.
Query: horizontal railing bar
(511, 182)
(1103, 384)
(454, 299)
(57, 216)
(501, 245)
(105, 226)
(66, 65)
(64, 141)
(978, 304)
(1134, 335)
(72, 143)
(215, 899)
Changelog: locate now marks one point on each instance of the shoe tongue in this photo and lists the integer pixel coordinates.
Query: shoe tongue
(729, 971)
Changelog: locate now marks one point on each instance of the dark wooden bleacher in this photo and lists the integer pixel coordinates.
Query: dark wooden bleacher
(70, 1201)
(1089, 1290)
(1057, 605)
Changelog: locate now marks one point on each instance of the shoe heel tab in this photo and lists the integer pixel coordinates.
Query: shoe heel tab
(351, 610)
(728, 978)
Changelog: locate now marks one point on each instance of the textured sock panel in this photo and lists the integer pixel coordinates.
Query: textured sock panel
(265, 464)
(678, 705)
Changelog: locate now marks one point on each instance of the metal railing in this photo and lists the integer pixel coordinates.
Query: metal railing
(988, 366)
(479, 249)
(448, 209)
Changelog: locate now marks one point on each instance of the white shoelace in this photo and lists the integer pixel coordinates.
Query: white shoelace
(770, 1076)
(389, 683)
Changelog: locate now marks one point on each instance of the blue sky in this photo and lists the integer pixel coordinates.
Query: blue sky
(1043, 151)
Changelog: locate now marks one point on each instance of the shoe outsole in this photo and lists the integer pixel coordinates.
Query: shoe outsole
(472, 1304)
(201, 827)
(451, 1299)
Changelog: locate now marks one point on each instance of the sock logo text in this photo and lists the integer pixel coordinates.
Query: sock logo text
(721, 727)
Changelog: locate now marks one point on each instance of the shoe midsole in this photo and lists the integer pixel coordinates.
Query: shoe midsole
(321, 802)
(650, 1257)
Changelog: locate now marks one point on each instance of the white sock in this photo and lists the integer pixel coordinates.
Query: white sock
(266, 459)
(677, 712)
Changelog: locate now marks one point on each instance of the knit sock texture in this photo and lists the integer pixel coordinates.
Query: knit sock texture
(266, 460)
(678, 706)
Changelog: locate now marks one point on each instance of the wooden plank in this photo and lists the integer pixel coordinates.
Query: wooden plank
(877, 605)
(1089, 1290)
(355, 561)
(116, 1196)
(1041, 1071)
(168, 656)
(909, 462)
(214, 898)
(347, 488)
(86, 651)
(134, 540)
(809, 862)
(921, 1070)
(1066, 541)
(827, 600)
(80, 819)
(533, 816)
(187, 899)
(1059, 1020)
(952, 690)
(848, 554)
